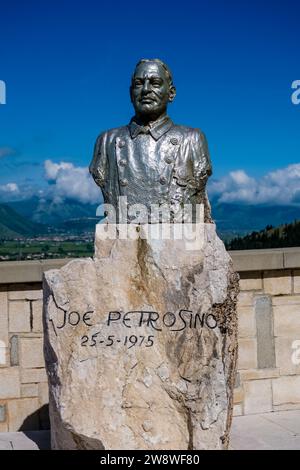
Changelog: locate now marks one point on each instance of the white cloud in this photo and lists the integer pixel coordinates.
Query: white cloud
(67, 181)
(281, 186)
(52, 169)
(71, 182)
(9, 188)
(241, 178)
(9, 192)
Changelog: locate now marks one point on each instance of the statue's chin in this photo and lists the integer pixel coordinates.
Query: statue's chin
(149, 111)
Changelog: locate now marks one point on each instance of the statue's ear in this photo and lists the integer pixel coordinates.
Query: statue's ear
(172, 93)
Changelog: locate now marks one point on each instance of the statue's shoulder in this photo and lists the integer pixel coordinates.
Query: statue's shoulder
(189, 133)
(195, 139)
(111, 134)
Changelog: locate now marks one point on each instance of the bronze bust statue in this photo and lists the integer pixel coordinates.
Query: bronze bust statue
(151, 319)
(152, 160)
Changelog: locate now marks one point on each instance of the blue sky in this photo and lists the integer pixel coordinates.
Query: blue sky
(67, 67)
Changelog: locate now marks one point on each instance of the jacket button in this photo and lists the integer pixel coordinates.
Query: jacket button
(122, 143)
(162, 180)
(123, 182)
(122, 162)
(169, 160)
(174, 141)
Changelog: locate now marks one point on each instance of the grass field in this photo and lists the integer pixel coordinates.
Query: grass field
(35, 249)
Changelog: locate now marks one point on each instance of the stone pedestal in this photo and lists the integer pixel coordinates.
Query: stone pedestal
(141, 345)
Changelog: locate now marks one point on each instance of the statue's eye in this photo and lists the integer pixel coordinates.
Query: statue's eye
(156, 82)
(138, 83)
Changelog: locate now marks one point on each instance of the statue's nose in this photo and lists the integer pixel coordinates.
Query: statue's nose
(146, 86)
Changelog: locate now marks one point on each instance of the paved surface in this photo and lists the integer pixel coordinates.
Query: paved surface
(279, 430)
(28, 440)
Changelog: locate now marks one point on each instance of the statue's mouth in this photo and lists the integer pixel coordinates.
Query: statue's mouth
(147, 100)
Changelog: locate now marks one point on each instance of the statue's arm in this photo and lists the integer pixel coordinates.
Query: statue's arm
(201, 158)
(98, 164)
(202, 170)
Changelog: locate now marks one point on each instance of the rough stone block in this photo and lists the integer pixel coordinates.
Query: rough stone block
(33, 375)
(37, 315)
(31, 353)
(247, 353)
(287, 357)
(23, 415)
(246, 322)
(29, 390)
(116, 384)
(287, 320)
(251, 281)
(286, 390)
(19, 316)
(9, 383)
(278, 282)
(258, 396)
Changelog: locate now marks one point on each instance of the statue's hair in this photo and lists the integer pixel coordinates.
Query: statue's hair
(159, 62)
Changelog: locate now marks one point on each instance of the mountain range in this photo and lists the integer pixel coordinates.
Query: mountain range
(287, 235)
(35, 217)
(239, 219)
(12, 224)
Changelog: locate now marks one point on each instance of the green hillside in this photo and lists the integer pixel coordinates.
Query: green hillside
(13, 224)
(287, 235)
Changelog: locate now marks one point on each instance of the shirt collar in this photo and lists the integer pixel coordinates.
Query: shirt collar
(157, 128)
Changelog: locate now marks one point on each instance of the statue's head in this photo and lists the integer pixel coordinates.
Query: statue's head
(151, 88)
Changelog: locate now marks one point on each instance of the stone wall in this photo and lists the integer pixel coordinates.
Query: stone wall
(269, 342)
(269, 337)
(23, 380)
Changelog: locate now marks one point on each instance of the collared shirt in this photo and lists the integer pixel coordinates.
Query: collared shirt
(156, 128)
(160, 164)
(145, 164)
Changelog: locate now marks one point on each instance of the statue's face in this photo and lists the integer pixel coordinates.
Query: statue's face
(150, 90)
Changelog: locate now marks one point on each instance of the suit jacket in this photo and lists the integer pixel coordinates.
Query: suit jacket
(164, 164)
